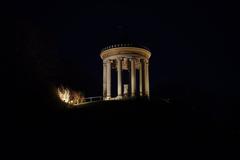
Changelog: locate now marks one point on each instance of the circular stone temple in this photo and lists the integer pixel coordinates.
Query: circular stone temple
(131, 63)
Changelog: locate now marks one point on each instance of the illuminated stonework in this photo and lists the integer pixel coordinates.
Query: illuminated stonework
(132, 58)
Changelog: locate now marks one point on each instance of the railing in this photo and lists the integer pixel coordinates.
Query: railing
(124, 45)
(92, 99)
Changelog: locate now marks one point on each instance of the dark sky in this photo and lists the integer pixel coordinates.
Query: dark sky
(193, 43)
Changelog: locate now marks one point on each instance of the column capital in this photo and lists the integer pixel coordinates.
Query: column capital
(133, 59)
(145, 61)
(119, 58)
(106, 61)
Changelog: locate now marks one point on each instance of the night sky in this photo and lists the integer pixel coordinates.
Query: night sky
(193, 46)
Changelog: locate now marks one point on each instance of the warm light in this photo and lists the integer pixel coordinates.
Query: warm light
(69, 96)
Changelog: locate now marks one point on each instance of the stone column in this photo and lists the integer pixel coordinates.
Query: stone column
(140, 78)
(119, 69)
(146, 77)
(133, 78)
(108, 79)
(104, 80)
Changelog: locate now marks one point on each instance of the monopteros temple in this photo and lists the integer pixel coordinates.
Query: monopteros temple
(131, 65)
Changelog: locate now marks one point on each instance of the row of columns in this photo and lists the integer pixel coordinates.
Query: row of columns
(143, 78)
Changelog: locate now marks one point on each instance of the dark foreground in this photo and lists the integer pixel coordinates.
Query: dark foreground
(171, 120)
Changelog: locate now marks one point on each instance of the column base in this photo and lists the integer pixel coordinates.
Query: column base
(119, 97)
(107, 98)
